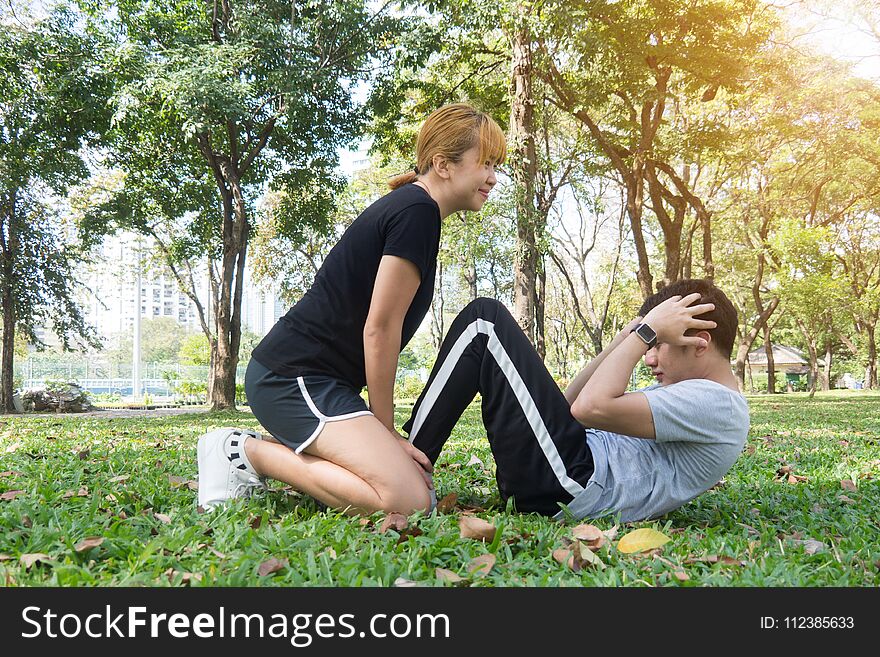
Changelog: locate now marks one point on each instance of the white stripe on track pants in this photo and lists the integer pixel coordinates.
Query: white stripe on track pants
(540, 450)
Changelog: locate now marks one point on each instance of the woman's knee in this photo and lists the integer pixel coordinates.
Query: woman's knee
(406, 500)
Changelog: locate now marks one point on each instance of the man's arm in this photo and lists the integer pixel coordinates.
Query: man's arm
(577, 383)
(603, 403)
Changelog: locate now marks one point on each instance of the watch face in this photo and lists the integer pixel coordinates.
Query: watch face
(646, 333)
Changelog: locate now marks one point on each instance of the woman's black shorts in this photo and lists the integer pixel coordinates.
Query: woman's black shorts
(294, 410)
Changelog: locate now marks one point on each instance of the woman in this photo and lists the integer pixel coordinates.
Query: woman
(367, 300)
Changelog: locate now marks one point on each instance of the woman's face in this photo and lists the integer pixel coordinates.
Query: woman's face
(471, 181)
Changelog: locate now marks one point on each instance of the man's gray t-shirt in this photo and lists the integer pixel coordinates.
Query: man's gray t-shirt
(700, 428)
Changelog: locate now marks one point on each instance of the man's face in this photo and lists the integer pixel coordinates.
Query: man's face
(671, 363)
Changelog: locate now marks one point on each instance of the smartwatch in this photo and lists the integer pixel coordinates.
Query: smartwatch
(646, 334)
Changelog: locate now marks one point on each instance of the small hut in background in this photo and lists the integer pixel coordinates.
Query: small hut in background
(789, 361)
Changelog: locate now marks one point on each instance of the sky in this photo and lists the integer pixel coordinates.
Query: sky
(834, 28)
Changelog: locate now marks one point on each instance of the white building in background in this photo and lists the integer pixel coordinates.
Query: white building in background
(260, 309)
(111, 278)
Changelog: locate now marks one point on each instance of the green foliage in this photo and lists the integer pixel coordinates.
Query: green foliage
(194, 350)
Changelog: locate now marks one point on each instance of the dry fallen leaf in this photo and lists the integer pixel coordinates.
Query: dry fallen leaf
(28, 560)
(641, 540)
(481, 565)
(393, 521)
(270, 566)
(562, 555)
(404, 583)
(176, 481)
(475, 461)
(447, 576)
(88, 543)
(192, 485)
(256, 522)
(847, 484)
(583, 556)
(811, 546)
(714, 558)
(476, 528)
(680, 575)
(120, 478)
(846, 499)
(82, 492)
(161, 517)
(84, 454)
(588, 534)
(447, 504)
(10, 495)
(184, 577)
(9, 473)
(5, 557)
(406, 533)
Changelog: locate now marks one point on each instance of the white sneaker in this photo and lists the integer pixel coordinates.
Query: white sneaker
(223, 473)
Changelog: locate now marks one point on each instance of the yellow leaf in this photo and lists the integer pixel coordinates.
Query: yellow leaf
(641, 540)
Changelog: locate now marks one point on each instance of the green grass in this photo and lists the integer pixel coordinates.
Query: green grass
(753, 517)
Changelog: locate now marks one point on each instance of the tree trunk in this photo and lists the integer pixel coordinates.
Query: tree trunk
(540, 339)
(871, 369)
(6, 380)
(231, 286)
(811, 343)
(470, 275)
(634, 205)
(524, 170)
(826, 373)
(771, 364)
(437, 304)
(745, 345)
(9, 244)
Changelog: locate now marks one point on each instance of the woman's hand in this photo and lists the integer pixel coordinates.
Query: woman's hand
(421, 459)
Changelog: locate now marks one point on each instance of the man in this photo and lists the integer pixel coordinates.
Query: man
(596, 448)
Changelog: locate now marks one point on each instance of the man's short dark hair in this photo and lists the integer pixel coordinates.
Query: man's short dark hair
(724, 314)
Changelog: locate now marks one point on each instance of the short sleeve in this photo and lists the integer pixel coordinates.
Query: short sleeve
(414, 234)
(692, 411)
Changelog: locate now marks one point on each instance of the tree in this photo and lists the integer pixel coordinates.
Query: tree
(194, 350)
(211, 112)
(620, 68)
(51, 105)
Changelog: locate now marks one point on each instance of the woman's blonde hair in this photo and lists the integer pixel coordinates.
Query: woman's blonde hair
(450, 131)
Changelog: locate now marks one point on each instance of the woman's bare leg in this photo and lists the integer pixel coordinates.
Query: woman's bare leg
(356, 465)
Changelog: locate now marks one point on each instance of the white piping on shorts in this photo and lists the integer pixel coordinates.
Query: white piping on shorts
(322, 419)
(520, 391)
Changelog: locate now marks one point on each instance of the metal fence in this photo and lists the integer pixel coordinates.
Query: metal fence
(97, 377)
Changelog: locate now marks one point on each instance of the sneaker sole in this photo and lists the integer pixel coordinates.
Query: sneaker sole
(202, 457)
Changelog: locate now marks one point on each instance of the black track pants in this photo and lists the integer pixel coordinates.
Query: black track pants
(540, 450)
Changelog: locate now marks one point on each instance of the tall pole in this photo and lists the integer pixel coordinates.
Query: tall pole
(136, 341)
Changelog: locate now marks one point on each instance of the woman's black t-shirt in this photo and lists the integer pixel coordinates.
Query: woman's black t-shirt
(324, 332)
